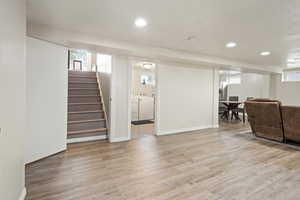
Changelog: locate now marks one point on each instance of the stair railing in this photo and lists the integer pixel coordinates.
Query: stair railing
(102, 102)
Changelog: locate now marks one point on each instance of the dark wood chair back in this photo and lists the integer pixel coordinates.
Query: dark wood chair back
(233, 98)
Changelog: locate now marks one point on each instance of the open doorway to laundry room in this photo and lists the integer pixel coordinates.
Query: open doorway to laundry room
(143, 99)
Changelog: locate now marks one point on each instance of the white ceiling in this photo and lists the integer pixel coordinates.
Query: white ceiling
(255, 25)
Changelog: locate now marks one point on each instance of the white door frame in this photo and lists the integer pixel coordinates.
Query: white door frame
(132, 61)
(216, 79)
(119, 95)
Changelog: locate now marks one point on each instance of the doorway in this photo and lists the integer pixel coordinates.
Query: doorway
(143, 98)
(231, 107)
(236, 87)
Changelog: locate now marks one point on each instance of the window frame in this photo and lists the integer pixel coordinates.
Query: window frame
(291, 71)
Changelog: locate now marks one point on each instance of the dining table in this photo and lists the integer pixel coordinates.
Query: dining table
(230, 105)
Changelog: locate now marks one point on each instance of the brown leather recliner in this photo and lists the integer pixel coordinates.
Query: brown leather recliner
(265, 118)
(291, 122)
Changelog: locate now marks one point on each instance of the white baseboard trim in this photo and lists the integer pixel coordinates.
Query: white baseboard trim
(160, 133)
(86, 139)
(122, 139)
(23, 194)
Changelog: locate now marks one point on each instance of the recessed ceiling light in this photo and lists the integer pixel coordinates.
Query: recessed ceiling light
(231, 44)
(148, 65)
(140, 22)
(265, 53)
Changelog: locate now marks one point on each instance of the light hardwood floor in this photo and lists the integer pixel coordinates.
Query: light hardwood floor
(225, 163)
(139, 131)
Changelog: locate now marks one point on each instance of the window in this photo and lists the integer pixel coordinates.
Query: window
(104, 63)
(293, 75)
(235, 79)
(147, 79)
(229, 77)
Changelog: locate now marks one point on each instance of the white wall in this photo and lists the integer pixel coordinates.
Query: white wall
(287, 92)
(185, 98)
(46, 95)
(120, 94)
(12, 100)
(252, 85)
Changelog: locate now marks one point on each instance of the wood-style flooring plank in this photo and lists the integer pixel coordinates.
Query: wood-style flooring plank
(225, 163)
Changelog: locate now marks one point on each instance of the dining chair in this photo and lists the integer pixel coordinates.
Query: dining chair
(233, 106)
(223, 111)
(241, 110)
(233, 98)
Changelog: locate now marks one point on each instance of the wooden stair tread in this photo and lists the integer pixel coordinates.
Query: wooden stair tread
(79, 71)
(87, 131)
(83, 89)
(82, 76)
(89, 103)
(86, 121)
(84, 96)
(82, 82)
(84, 112)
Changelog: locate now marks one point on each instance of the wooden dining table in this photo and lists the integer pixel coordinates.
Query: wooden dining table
(230, 105)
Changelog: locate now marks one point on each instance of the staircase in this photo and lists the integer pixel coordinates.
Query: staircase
(86, 118)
